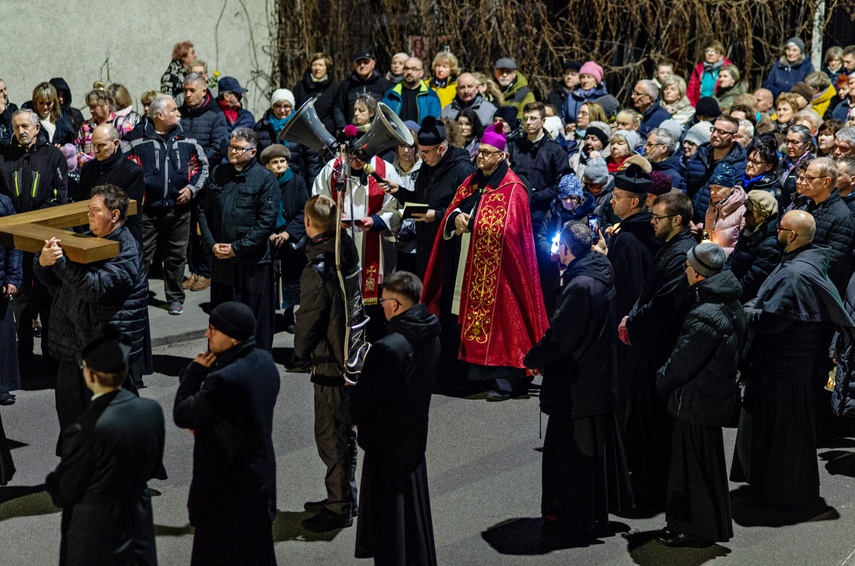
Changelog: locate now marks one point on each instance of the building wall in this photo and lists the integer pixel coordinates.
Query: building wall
(130, 42)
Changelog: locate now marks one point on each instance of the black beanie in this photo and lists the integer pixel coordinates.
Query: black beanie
(708, 107)
(234, 320)
(509, 115)
(431, 132)
(599, 134)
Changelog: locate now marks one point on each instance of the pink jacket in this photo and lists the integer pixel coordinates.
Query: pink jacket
(724, 220)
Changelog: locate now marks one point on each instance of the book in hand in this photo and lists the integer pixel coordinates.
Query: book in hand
(417, 207)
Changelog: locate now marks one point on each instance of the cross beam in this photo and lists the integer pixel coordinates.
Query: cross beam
(28, 231)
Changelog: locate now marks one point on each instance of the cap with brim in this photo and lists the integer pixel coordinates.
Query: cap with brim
(431, 132)
(361, 53)
(506, 63)
(230, 84)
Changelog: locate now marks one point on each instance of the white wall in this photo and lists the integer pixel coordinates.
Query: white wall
(130, 42)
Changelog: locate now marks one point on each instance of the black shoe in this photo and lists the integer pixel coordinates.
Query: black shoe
(318, 505)
(677, 540)
(497, 396)
(7, 399)
(326, 520)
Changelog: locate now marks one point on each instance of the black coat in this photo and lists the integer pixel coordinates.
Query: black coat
(230, 408)
(207, 125)
(391, 400)
(577, 353)
(699, 170)
(101, 482)
(835, 228)
(754, 257)
(376, 85)
(35, 177)
(631, 253)
(655, 320)
(125, 174)
(325, 94)
(543, 163)
(293, 195)
(699, 378)
(304, 161)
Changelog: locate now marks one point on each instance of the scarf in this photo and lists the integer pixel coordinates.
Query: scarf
(278, 124)
(280, 216)
(230, 113)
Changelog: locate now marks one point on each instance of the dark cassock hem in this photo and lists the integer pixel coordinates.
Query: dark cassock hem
(234, 544)
(251, 285)
(7, 467)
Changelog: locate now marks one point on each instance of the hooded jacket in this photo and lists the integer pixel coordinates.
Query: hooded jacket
(304, 161)
(784, 75)
(207, 125)
(723, 221)
(518, 94)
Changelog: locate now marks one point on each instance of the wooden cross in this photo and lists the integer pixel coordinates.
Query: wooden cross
(28, 231)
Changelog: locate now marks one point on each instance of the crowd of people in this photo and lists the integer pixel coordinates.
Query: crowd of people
(669, 264)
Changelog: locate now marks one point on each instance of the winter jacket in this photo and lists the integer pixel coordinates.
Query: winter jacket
(304, 161)
(704, 74)
(124, 173)
(725, 97)
(87, 296)
(320, 321)
(483, 108)
(843, 395)
(243, 119)
(426, 100)
(375, 85)
(723, 221)
(577, 353)
(446, 91)
(788, 172)
(168, 166)
(631, 251)
(83, 140)
(10, 258)
(674, 168)
(783, 75)
(518, 94)
(391, 401)
(240, 208)
(570, 110)
(652, 118)
(821, 101)
(543, 163)
(293, 195)
(766, 182)
(6, 131)
(557, 96)
(34, 177)
(323, 92)
(207, 125)
(700, 169)
(754, 257)
(681, 111)
(835, 228)
(700, 377)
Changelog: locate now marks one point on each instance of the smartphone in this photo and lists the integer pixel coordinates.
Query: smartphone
(554, 248)
(594, 225)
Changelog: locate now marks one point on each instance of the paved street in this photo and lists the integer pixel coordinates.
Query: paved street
(484, 470)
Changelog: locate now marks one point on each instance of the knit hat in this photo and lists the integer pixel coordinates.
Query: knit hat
(495, 136)
(569, 186)
(282, 94)
(234, 320)
(707, 259)
(553, 125)
(432, 131)
(275, 150)
(572, 65)
(699, 133)
(591, 68)
(598, 133)
(660, 183)
(70, 153)
(633, 140)
(797, 42)
(602, 126)
(673, 127)
(723, 176)
(633, 179)
(509, 115)
(803, 89)
(506, 63)
(707, 107)
(108, 352)
(609, 104)
(762, 202)
(596, 171)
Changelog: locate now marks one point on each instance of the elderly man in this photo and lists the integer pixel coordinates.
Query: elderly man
(645, 99)
(834, 224)
(468, 96)
(721, 147)
(238, 214)
(661, 151)
(176, 169)
(34, 176)
(112, 167)
(513, 84)
(795, 310)
(482, 277)
(101, 480)
(365, 79)
(411, 99)
(85, 297)
(844, 142)
(765, 101)
(226, 397)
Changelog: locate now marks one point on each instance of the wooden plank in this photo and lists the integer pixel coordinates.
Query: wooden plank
(62, 216)
(78, 248)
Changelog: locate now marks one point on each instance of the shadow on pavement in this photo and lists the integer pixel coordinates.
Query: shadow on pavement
(748, 515)
(522, 537)
(170, 531)
(286, 526)
(25, 501)
(170, 365)
(839, 462)
(646, 551)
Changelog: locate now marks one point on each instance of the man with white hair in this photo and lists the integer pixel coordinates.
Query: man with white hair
(468, 96)
(809, 119)
(844, 143)
(661, 148)
(645, 99)
(745, 133)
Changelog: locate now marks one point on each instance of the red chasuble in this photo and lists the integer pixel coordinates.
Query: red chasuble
(501, 308)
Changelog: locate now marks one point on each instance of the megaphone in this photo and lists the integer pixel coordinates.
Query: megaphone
(307, 129)
(387, 131)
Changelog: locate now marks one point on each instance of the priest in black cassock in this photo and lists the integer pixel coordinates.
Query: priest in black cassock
(390, 405)
(584, 469)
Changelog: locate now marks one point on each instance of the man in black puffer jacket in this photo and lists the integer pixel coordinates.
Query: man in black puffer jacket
(699, 380)
(85, 297)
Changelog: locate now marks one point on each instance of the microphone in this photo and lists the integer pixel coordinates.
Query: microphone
(368, 169)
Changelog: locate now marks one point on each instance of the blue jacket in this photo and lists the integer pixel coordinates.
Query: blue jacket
(652, 118)
(701, 168)
(673, 167)
(783, 76)
(428, 101)
(570, 110)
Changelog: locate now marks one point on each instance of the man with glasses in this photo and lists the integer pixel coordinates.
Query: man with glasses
(237, 217)
(365, 79)
(468, 96)
(721, 147)
(645, 99)
(661, 152)
(513, 84)
(482, 278)
(834, 224)
(411, 99)
(652, 328)
(176, 169)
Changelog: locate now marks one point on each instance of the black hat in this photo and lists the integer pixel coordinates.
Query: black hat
(108, 352)
(708, 107)
(361, 53)
(600, 135)
(234, 320)
(572, 65)
(509, 115)
(432, 131)
(633, 179)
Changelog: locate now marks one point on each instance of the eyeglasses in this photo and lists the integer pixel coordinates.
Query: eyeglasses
(782, 229)
(638, 94)
(487, 152)
(757, 161)
(425, 153)
(809, 178)
(657, 218)
(794, 142)
(711, 51)
(721, 132)
(383, 300)
(651, 144)
(236, 149)
(282, 105)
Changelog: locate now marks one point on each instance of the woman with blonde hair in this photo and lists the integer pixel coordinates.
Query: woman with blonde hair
(123, 107)
(489, 89)
(100, 103)
(56, 124)
(675, 101)
(445, 69)
(728, 87)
